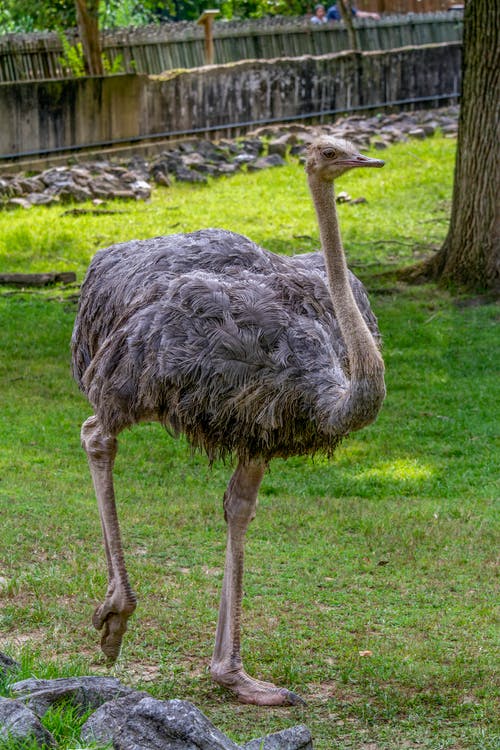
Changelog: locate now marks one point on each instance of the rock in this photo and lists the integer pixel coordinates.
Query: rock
(225, 169)
(264, 162)
(74, 192)
(189, 175)
(417, 133)
(243, 159)
(278, 147)
(193, 160)
(160, 176)
(41, 199)
(31, 185)
(19, 723)
(252, 146)
(295, 738)
(7, 664)
(429, 128)
(81, 692)
(104, 724)
(169, 725)
(343, 197)
(18, 203)
(141, 189)
(5, 186)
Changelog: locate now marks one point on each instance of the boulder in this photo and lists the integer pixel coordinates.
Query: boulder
(264, 162)
(169, 725)
(17, 722)
(83, 693)
(7, 665)
(295, 738)
(108, 719)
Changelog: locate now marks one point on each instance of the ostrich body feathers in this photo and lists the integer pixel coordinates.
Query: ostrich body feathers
(217, 338)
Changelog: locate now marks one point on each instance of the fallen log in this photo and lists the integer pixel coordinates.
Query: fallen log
(37, 279)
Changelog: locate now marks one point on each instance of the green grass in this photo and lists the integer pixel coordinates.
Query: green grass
(389, 548)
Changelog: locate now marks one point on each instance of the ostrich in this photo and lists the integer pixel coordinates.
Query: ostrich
(245, 352)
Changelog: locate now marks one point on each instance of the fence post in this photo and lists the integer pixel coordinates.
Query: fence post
(206, 19)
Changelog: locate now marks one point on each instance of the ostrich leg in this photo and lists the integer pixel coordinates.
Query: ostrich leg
(120, 601)
(240, 502)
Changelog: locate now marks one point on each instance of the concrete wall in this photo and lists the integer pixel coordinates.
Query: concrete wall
(48, 116)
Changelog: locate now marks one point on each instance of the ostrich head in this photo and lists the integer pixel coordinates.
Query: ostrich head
(328, 158)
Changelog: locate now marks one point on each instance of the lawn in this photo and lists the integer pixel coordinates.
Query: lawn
(370, 578)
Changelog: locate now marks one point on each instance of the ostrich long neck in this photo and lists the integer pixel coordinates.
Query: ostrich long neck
(364, 358)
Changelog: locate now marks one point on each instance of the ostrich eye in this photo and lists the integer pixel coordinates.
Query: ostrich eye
(330, 153)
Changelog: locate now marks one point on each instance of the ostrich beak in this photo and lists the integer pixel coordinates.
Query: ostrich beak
(359, 160)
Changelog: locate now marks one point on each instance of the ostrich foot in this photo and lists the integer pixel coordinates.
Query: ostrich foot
(112, 620)
(249, 690)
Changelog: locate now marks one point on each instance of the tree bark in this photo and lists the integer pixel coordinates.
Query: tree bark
(470, 255)
(88, 28)
(346, 13)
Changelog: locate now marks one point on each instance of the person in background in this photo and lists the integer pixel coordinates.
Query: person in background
(319, 15)
(334, 14)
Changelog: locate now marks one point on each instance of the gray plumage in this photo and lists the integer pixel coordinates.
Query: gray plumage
(247, 353)
(217, 338)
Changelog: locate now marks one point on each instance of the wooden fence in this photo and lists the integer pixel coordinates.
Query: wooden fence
(155, 49)
(405, 6)
(49, 117)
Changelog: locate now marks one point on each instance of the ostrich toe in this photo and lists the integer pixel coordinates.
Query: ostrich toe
(257, 692)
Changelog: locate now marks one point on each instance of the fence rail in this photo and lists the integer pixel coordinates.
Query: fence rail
(155, 49)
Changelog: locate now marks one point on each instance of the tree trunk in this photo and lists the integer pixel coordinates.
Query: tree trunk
(470, 256)
(346, 13)
(88, 28)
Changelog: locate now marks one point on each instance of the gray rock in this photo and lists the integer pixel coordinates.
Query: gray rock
(429, 128)
(31, 185)
(7, 665)
(189, 175)
(83, 693)
(160, 175)
(295, 738)
(253, 146)
(169, 725)
(193, 160)
(53, 176)
(278, 147)
(243, 159)
(5, 186)
(264, 162)
(18, 722)
(41, 199)
(74, 192)
(107, 721)
(141, 189)
(18, 203)
(225, 169)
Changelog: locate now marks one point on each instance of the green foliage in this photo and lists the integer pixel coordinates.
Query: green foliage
(369, 577)
(72, 60)
(74, 63)
(112, 67)
(25, 16)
